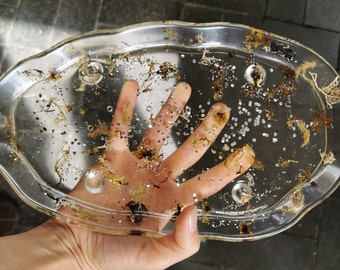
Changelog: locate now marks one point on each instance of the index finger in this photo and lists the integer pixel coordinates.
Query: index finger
(122, 117)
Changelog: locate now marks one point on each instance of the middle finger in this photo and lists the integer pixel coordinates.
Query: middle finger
(155, 137)
(200, 140)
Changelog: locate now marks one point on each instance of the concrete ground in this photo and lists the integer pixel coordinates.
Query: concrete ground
(29, 26)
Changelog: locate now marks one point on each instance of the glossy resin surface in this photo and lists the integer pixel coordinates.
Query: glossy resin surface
(55, 122)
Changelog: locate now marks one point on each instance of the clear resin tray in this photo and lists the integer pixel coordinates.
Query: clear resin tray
(56, 129)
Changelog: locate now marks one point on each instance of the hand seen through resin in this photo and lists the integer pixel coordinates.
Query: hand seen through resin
(136, 185)
(139, 185)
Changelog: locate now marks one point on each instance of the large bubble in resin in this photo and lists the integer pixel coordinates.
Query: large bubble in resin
(94, 182)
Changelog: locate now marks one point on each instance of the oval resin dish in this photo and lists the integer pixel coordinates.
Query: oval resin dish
(69, 150)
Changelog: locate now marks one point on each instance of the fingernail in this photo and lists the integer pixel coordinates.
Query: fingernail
(192, 223)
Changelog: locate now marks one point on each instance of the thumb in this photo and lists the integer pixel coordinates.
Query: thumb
(186, 233)
(184, 241)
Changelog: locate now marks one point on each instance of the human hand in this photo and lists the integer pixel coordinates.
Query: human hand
(138, 192)
(141, 188)
(60, 245)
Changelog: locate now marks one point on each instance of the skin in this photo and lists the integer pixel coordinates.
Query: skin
(144, 179)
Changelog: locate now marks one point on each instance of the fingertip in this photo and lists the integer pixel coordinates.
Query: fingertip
(186, 230)
(221, 107)
(130, 84)
(250, 151)
(248, 155)
(189, 214)
(220, 114)
(183, 242)
(128, 94)
(183, 87)
(240, 160)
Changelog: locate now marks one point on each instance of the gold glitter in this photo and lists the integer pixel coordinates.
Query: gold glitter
(233, 162)
(127, 113)
(305, 133)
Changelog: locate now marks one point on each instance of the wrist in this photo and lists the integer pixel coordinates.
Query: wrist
(48, 246)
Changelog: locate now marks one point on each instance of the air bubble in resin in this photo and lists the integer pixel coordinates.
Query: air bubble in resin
(255, 75)
(109, 108)
(94, 182)
(92, 73)
(241, 192)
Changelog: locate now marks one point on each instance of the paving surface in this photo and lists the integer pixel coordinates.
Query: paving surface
(29, 26)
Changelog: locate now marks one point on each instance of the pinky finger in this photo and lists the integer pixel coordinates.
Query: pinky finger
(213, 180)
